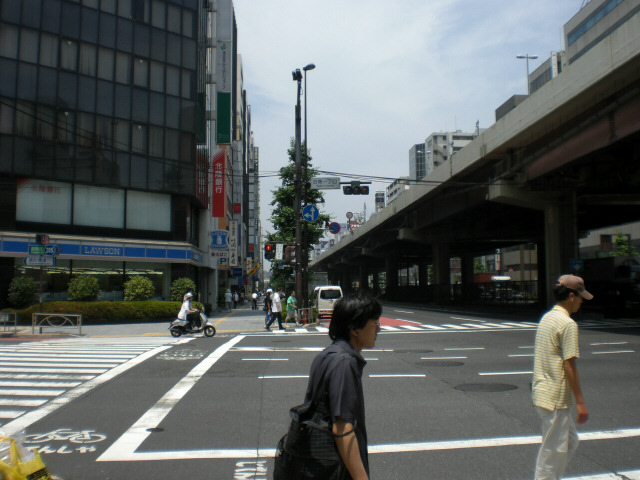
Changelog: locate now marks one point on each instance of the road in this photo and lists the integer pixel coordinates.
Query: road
(447, 398)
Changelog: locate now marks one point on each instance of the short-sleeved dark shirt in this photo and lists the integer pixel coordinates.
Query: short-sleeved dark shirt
(343, 381)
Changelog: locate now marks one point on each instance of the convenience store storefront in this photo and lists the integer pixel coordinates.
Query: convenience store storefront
(111, 261)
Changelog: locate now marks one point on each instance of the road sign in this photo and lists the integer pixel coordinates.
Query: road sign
(40, 261)
(279, 251)
(334, 227)
(349, 215)
(325, 183)
(310, 213)
(36, 249)
(52, 250)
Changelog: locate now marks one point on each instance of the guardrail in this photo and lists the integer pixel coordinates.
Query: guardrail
(43, 320)
(5, 319)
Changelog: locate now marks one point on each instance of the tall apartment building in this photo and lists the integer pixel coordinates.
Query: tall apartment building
(441, 146)
(122, 123)
(417, 164)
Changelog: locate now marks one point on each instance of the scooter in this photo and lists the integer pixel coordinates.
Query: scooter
(179, 327)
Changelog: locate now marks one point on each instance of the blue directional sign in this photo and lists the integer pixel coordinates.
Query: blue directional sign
(51, 250)
(310, 213)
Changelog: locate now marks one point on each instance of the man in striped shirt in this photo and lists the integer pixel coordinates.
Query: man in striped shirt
(556, 386)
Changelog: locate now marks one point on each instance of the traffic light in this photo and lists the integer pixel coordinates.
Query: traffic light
(356, 188)
(269, 251)
(42, 239)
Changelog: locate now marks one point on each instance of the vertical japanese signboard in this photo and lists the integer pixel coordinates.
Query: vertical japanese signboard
(232, 241)
(218, 197)
(224, 68)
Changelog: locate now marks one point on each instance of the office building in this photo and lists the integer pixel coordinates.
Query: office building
(122, 125)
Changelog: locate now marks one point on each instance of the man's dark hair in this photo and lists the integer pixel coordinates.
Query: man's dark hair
(561, 293)
(353, 311)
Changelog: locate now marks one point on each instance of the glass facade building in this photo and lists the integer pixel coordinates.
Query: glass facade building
(98, 122)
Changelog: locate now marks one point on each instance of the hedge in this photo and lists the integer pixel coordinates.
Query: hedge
(105, 311)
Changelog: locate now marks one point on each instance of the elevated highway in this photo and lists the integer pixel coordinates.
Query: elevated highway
(563, 162)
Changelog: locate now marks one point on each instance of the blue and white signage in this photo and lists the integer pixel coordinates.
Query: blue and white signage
(40, 261)
(101, 251)
(219, 239)
(310, 213)
(334, 227)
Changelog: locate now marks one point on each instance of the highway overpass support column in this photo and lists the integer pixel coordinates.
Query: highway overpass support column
(391, 270)
(560, 240)
(363, 277)
(441, 271)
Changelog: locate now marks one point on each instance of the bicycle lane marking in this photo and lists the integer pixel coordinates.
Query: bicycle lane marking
(124, 448)
(33, 416)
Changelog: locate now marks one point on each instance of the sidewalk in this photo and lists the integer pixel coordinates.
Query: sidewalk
(241, 319)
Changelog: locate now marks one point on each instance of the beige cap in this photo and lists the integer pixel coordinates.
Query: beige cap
(575, 283)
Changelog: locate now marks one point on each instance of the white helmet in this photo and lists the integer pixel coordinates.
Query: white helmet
(188, 295)
(269, 290)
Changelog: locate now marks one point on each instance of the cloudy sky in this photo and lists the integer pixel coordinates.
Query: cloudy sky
(388, 74)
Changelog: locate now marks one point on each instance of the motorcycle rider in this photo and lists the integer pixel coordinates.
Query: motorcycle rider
(186, 309)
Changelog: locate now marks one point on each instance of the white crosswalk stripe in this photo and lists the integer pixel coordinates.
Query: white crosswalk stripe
(32, 374)
(480, 326)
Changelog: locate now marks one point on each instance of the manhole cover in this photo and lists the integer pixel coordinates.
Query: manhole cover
(485, 387)
(413, 351)
(439, 363)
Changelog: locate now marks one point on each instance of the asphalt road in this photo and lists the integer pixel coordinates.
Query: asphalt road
(447, 398)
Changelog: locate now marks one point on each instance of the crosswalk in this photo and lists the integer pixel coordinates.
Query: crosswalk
(457, 327)
(34, 373)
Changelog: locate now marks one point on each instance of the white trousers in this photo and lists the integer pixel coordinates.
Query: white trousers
(559, 443)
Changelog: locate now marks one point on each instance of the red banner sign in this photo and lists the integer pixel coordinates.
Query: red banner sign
(217, 198)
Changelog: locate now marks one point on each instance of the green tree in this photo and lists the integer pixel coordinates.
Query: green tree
(83, 288)
(22, 291)
(180, 286)
(622, 246)
(283, 214)
(138, 288)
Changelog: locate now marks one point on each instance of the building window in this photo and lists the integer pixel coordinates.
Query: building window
(123, 68)
(29, 46)
(140, 73)
(68, 55)
(105, 64)
(87, 59)
(606, 243)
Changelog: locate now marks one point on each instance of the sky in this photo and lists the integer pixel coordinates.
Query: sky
(388, 74)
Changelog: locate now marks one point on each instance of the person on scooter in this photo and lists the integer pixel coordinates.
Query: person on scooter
(186, 309)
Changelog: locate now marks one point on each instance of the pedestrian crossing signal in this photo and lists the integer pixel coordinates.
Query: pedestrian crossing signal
(269, 251)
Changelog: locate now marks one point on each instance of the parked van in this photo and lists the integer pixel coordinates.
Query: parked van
(325, 297)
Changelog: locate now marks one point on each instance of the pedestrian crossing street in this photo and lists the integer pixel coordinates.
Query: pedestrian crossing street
(34, 373)
(476, 325)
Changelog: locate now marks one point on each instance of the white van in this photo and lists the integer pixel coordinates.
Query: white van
(325, 297)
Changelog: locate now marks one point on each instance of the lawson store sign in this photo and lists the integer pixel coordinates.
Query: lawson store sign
(18, 247)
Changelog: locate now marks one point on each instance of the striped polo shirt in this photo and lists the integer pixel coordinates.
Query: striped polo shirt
(556, 341)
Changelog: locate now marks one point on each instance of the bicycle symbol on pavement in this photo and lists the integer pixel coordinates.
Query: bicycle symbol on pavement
(66, 435)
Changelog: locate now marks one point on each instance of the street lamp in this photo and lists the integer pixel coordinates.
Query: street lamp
(297, 77)
(304, 257)
(527, 57)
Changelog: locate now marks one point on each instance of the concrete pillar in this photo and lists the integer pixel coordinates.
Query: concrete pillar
(363, 277)
(466, 270)
(442, 271)
(391, 270)
(560, 238)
